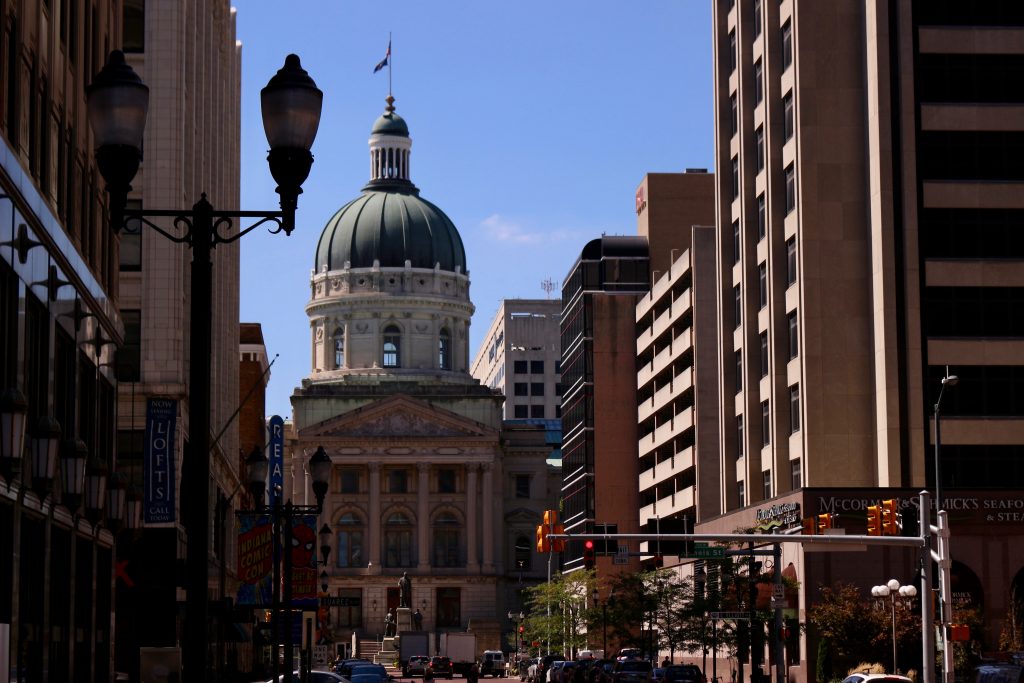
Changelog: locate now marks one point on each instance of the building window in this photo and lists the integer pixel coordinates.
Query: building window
(392, 346)
(133, 33)
(766, 483)
(521, 388)
(537, 367)
(794, 343)
(739, 437)
(446, 541)
(762, 284)
(758, 83)
(519, 367)
(449, 608)
(9, 325)
(757, 18)
(37, 358)
(350, 614)
(762, 219)
(350, 541)
(537, 412)
(734, 110)
(791, 261)
(736, 241)
(339, 348)
(787, 45)
(790, 189)
(794, 408)
(522, 486)
(766, 423)
(350, 481)
(759, 141)
(796, 473)
(741, 497)
(536, 388)
(398, 541)
(130, 251)
(444, 350)
(522, 412)
(398, 481)
(737, 305)
(446, 480)
(732, 51)
(523, 553)
(128, 358)
(787, 117)
(735, 177)
(739, 371)
(764, 354)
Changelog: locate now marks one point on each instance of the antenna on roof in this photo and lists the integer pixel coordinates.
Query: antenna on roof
(549, 285)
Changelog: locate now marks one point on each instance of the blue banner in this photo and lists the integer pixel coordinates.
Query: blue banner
(275, 449)
(158, 461)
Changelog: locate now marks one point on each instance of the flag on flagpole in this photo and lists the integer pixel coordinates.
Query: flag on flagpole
(384, 62)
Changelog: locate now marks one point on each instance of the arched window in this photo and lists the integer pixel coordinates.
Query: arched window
(444, 350)
(446, 541)
(522, 553)
(392, 346)
(397, 541)
(339, 348)
(350, 541)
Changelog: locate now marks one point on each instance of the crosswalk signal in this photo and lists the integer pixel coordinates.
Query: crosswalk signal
(543, 544)
(825, 521)
(558, 544)
(891, 524)
(588, 554)
(808, 526)
(874, 520)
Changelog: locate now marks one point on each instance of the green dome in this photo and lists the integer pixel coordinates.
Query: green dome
(390, 123)
(390, 225)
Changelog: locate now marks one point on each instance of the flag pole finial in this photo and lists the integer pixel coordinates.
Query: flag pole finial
(391, 104)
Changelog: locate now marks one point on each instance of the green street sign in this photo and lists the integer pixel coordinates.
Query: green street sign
(707, 552)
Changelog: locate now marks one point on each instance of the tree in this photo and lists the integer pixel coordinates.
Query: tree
(566, 597)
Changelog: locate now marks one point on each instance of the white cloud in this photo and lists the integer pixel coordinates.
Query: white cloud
(501, 229)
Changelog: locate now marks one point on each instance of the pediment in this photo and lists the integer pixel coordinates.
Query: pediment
(399, 417)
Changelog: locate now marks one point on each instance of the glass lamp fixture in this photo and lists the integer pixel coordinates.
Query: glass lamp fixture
(133, 508)
(13, 414)
(45, 438)
(320, 471)
(95, 487)
(257, 467)
(73, 456)
(117, 493)
(325, 542)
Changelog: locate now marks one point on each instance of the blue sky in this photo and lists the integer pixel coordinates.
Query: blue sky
(532, 124)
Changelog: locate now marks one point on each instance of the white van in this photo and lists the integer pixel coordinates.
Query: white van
(493, 664)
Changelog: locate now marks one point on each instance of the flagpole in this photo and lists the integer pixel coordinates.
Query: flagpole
(391, 59)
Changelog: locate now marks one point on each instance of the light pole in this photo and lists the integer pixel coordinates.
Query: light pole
(604, 617)
(118, 104)
(517, 619)
(320, 470)
(948, 380)
(891, 590)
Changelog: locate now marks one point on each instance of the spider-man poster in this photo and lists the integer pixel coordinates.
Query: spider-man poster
(302, 547)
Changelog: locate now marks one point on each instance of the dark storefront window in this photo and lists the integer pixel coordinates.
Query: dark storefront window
(8, 325)
(87, 408)
(350, 614)
(30, 612)
(64, 381)
(449, 608)
(60, 596)
(37, 371)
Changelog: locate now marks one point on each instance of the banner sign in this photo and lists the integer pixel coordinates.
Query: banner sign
(158, 461)
(255, 560)
(303, 548)
(275, 449)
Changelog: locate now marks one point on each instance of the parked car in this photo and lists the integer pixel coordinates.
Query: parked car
(416, 666)
(316, 677)
(492, 664)
(545, 666)
(628, 653)
(345, 666)
(554, 672)
(658, 675)
(632, 671)
(565, 672)
(602, 672)
(684, 673)
(364, 670)
(441, 667)
(876, 678)
(998, 673)
(368, 678)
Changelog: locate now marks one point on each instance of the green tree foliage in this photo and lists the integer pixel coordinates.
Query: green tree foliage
(567, 597)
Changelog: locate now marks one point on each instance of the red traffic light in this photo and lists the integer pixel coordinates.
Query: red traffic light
(588, 545)
(588, 554)
(522, 629)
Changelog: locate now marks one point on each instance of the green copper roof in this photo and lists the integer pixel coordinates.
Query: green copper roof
(390, 225)
(390, 123)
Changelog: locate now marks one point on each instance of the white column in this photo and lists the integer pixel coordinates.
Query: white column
(487, 501)
(374, 521)
(472, 561)
(423, 516)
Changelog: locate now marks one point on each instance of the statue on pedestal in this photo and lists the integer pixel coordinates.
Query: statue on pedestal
(405, 591)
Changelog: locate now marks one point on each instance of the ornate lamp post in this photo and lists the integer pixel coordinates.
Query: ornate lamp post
(320, 470)
(947, 381)
(516, 619)
(118, 103)
(892, 589)
(13, 414)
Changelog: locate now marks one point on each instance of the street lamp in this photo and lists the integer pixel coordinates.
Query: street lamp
(118, 104)
(891, 590)
(73, 456)
(517, 619)
(45, 438)
(13, 414)
(951, 381)
(257, 466)
(604, 617)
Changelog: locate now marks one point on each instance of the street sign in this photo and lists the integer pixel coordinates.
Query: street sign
(730, 615)
(622, 554)
(778, 591)
(705, 551)
(338, 601)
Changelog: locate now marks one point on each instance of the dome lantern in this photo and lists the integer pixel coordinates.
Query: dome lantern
(390, 148)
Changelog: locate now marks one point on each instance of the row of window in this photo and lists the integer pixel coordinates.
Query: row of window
(446, 481)
(796, 481)
(391, 348)
(533, 367)
(536, 412)
(447, 606)
(766, 421)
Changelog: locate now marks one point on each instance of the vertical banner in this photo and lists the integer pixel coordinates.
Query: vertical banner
(275, 447)
(302, 546)
(255, 560)
(158, 461)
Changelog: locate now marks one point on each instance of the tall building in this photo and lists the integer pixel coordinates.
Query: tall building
(187, 54)
(59, 327)
(599, 427)
(420, 482)
(866, 242)
(520, 358)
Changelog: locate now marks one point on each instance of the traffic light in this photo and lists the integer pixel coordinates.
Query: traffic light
(558, 544)
(543, 544)
(825, 521)
(808, 526)
(874, 520)
(588, 554)
(891, 524)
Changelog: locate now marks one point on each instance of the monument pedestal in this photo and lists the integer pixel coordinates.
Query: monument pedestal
(403, 617)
